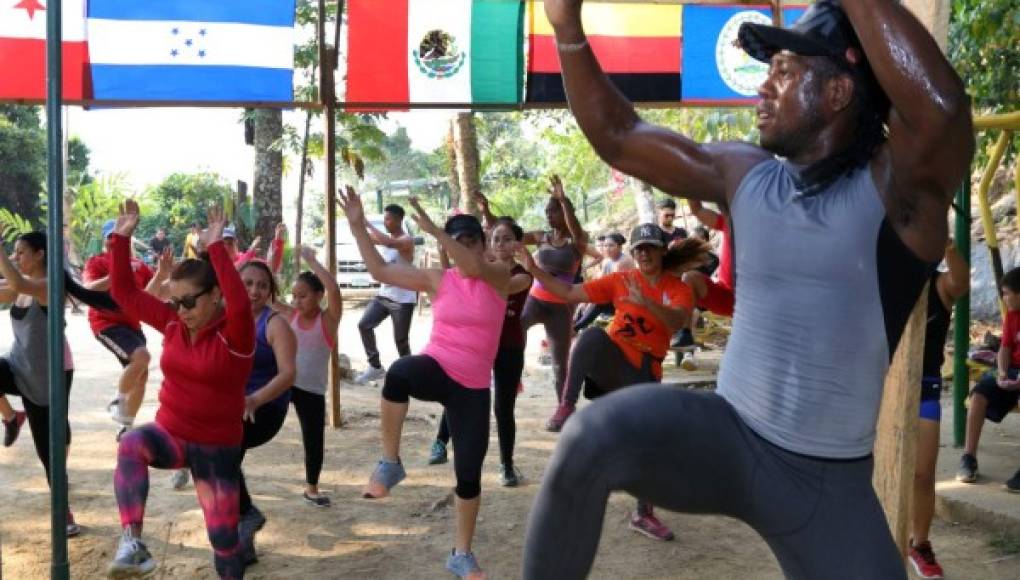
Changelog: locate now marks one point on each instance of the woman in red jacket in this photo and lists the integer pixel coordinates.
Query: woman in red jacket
(208, 339)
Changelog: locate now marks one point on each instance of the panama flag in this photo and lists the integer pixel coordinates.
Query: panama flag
(192, 50)
(23, 50)
(460, 52)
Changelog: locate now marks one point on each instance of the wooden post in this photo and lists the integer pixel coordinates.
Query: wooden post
(896, 441)
(327, 93)
(896, 438)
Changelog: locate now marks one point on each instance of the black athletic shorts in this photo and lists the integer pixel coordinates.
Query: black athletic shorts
(1000, 401)
(122, 341)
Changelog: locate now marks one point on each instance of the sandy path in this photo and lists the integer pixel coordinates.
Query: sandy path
(406, 536)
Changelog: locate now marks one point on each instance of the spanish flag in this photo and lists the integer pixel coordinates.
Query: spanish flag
(639, 46)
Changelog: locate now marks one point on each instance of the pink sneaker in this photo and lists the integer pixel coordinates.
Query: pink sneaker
(650, 526)
(563, 412)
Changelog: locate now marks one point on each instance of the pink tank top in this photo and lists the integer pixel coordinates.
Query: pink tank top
(467, 318)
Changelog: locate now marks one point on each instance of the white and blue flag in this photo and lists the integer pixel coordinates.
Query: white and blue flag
(192, 50)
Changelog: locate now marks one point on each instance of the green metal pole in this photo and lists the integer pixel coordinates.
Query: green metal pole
(59, 567)
(961, 328)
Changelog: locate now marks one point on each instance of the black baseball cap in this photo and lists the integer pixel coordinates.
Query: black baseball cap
(647, 234)
(463, 225)
(823, 30)
(617, 237)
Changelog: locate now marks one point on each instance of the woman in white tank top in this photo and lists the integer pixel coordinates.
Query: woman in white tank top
(316, 332)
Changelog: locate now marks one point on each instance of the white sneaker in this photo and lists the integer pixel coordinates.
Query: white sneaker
(179, 479)
(115, 414)
(132, 559)
(688, 363)
(369, 375)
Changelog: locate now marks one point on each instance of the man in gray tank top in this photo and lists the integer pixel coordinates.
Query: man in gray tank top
(837, 218)
(391, 301)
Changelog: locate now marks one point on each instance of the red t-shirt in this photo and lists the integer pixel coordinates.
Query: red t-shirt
(725, 272)
(202, 396)
(1011, 336)
(634, 328)
(99, 266)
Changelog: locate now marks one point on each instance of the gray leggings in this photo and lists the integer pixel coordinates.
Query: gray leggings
(558, 322)
(596, 361)
(689, 452)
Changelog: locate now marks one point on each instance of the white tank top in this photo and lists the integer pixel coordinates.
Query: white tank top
(396, 293)
(312, 357)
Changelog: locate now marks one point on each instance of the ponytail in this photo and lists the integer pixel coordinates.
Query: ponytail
(686, 254)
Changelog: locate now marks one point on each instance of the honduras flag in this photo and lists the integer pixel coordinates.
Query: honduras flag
(192, 50)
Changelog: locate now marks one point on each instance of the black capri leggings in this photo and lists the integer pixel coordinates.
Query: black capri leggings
(38, 416)
(507, 371)
(268, 421)
(467, 411)
(311, 412)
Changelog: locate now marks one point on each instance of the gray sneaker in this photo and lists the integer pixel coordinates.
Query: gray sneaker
(132, 560)
(967, 473)
(464, 566)
(371, 374)
(438, 453)
(510, 477)
(179, 479)
(250, 522)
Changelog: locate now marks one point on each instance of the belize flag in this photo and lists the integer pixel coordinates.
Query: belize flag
(23, 50)
(192, 50)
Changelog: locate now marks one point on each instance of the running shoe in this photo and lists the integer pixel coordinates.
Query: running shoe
(510, 476)
(563, 412)
(118, 417)
(386, 476)
(371, 374)
(179, 479)
(1013, 483)
(650, 526)
(922, 558)
(132, 560)
(438, 453)
(682, 339)
(120, 433)
(968, 471)
(688, 363)
(464, 566)
(317, 500)
(13, 427)
(247, 553)
(73, 529)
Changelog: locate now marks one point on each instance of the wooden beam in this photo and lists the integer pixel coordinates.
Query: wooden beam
(896, 437)
(327, 94)
(896, 441)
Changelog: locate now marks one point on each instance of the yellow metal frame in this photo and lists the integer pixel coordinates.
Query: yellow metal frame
(1007, 123)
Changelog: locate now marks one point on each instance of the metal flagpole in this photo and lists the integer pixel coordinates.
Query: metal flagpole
(59, 567)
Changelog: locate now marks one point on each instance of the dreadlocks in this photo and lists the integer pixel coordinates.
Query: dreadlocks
(872, 106)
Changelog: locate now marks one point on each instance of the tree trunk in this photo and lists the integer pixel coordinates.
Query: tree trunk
(267, 195)
(451, 158)
(466, 141)
(299, 221)
(644, 199)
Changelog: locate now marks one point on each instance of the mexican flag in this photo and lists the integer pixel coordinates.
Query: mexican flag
(458, 52)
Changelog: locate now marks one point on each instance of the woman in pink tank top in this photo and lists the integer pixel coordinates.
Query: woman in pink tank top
(468, 304)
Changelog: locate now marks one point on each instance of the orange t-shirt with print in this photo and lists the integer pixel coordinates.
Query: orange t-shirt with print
(634, 328)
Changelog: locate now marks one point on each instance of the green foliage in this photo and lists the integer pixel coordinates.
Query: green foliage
(183, 199)
(94, 204)
(984, 36)
(12, 225)
(22, 160)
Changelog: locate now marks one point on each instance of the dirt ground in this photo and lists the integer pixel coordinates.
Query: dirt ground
(406, 536)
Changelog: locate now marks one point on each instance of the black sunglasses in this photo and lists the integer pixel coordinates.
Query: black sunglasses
(187, 302)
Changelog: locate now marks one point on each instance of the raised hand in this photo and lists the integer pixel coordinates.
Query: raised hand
(127, 219)
(281, 231)
(481, 200)
(525, 259)
(217, 220)
(166, 262)
(308, 255)
(421, 217)
(255, 243)
(556, 188)
(350, 202)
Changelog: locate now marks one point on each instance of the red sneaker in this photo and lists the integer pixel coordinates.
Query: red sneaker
(922, 558)
(650, 526)
(563, 412)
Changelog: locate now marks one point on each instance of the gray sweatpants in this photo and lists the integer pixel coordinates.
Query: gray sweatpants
(690, 452)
